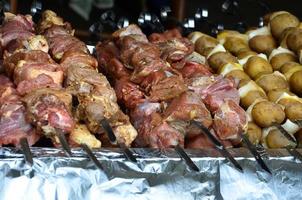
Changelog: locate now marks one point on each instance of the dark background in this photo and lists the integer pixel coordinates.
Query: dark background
(248, 11)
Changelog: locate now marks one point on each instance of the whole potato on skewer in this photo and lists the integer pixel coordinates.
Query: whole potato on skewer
(280, 56)
(272, 81)
(256, 65)
(254, 133)
(219, 59)
(295, 82)
(279, 21)
(275, 139)
(266, 113)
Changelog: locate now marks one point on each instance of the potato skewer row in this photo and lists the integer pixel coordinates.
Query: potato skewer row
(253, 97)
(266, 80)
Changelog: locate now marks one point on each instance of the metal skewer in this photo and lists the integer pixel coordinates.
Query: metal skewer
(255, 153)
(285, 133)
(26, 151)
(218, 145)
(108, 129)
(291, 151)
(92, 156)
(181, 152)
(63, 142)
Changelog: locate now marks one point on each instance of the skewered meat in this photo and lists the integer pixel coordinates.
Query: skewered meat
(153, 130)
(230, 121)
(97, 100)
(16, 27)
(13, 125)
(47, 110)
(60, 41)
(128, 93)
(188, 106)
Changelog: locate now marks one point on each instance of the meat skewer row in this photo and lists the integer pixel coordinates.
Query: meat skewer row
(96, 99)
(217, 100)
(28, 77)
(253, 96)
(174, 114)
(13, 125)
(219, 95)
(38, 80)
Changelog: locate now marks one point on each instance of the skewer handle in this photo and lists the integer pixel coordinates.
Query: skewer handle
(26, 151)
(186, 158)
(92, 156)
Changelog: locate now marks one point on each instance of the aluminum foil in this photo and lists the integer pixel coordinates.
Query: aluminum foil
(159, 174)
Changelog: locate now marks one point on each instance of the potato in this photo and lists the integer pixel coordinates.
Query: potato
(256, 65)
(285, 102)
(239, 75)
(287, 66)
(288, 74)
(272, 81)
(275, 139)
(294, 111)
(266, 113)
(251, 97)
(254, 133)
(284, 35)
(282, 21)
(244, 53)
(280, 59)
(295, 83)
(204, 43)
(194, 36)
(262, 44)
(219, 59)
(235, 45)
(273, 95)
(294, 40)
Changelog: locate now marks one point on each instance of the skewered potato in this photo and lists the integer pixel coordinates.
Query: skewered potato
(272, 81)
(266, 113)
(262, 44)
(280, 56)
(294, 111)
(284, 35)
(261, 40)
(250, 92)
(294, 40)
(254, 133)
(290, 71)
(244, 54)
(219, 59)
(275, 139)
(256, 65)
(279, 21)
(205, 44)
(234, 45)
(239, 75)
(295, 82)
(287, 66)
(274, 95)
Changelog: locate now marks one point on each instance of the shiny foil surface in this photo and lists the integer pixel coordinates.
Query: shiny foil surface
(159, 174)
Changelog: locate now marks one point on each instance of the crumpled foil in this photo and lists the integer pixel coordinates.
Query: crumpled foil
(159, 174)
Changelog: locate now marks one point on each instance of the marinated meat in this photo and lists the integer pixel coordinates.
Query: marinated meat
(230, 121)
(188, 106)
(17, 27)
(13, 125)
(48, 112)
